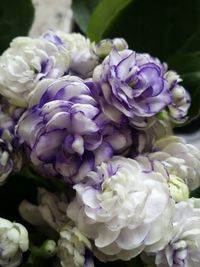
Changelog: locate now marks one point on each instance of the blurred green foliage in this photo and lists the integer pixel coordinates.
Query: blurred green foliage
(16, 17)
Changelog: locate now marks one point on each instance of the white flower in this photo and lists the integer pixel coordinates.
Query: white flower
(179, 158)
(51, 210)
(13, 241)
(124, 208)
(183, 249)
(74, 250)
(28, 61)
(83, 58)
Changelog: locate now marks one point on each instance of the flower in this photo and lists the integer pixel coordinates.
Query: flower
(178, 109)
(74, 249)
(160, 127)
(183, 248)
(179, 191)
(65, 133)
(132, 85)
(83, 58)
(104, 47)
(51, 210)
(6, 163)
(179, 158)
(13, 241)
(123, 208)
(26, 62)
(10, 156)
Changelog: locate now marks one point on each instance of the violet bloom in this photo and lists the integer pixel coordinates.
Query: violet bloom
(137, 86)
(183, 248)
(65, 132)
(178, 109)
(10, 156)
(132, 85)
(6, 163)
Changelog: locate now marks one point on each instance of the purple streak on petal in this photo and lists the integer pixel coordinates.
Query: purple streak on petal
(51, 36)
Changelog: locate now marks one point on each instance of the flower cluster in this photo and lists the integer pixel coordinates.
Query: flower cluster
(93, 122)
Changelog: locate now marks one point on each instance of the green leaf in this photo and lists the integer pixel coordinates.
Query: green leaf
(104, 16)
(15, 20)
(82, 10)
(195, 193)
(13, 192)
(158, 27)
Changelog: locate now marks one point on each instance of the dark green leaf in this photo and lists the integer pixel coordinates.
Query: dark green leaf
(104, 16)
(49, 184)
(15, 19)
(195, 193)
(82, 10)
(13, 192)
(136, 262)
(158, 27)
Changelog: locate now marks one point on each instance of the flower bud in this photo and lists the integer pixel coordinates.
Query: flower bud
(178, 189)
(49, 248)
(104, 47)
(120, 44)
(74, 249)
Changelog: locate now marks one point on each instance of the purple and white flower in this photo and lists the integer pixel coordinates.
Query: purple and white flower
(181, 100)
(10, 154)
(132, 85)
(123, 208)
(183, 248)
(26, 62)
(138, 87)
(66, 133)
